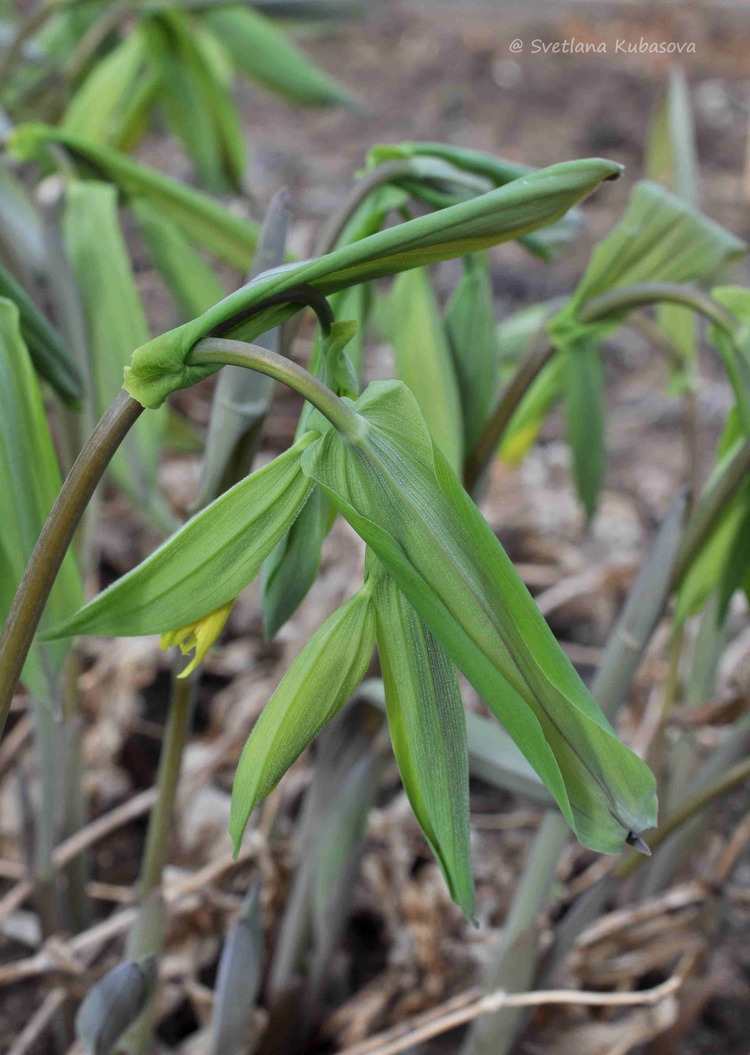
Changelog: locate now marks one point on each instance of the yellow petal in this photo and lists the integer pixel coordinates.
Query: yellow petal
(198, 636)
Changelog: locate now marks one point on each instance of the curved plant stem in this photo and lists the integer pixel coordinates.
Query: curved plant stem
(643, 293)
(238, 353)
(530, 367)
(41, 571)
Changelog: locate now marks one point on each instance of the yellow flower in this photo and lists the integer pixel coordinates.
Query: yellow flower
(198, 636)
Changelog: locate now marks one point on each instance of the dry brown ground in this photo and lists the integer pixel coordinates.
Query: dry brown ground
(437, 72)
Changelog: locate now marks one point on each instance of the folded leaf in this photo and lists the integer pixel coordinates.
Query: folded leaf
(207, 562)
(161, 366)
(204, 221)
(317, 685)
(266, 55)
(470, 323)
(428, 733)
(398, 493)
(424, 362)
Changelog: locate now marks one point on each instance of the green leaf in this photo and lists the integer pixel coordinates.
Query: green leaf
(428, 733)
(317, 685)
(49, 352)
(161, 366)
(672, 160)
(193, 283)
(100, 109)
(30, 480)
(196, 101)
(396, 490)
(203, 220)
(671, 151)
(585, 411)
(207, 562)
(267, 56)
(115, 324)
(424, 362)
(470, 323)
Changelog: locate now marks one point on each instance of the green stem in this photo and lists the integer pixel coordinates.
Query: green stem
(529, 369)
(57, 533)
(641, 294)
(238, 353)
(170, 764)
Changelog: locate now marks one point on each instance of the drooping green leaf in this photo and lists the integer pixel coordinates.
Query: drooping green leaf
(49, 352)
(526, 423)
(193, 283)
(204, 220)
(424, 362)
(161, 366)
(266, 55)
(100, 109)
(317, 685)
(470, 322)
(207, 562)
(428, 733)
(30, 480)
(115, 324)
(396, 490)
(584, 411)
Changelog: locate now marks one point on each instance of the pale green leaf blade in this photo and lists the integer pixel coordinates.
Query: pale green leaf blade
(428, 733)
(205, 221)
(266, 55)
(671, 150)
(207, 562)
(292, 567)
(192, 282)
(115, 324)
(398, 493)
(316, 686)
(99, 109)
(424, 362)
